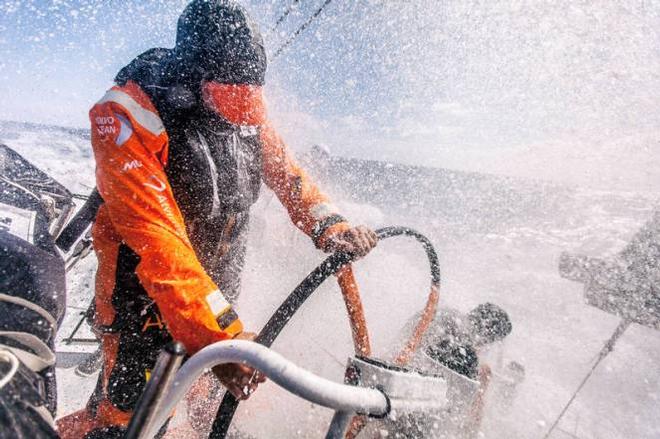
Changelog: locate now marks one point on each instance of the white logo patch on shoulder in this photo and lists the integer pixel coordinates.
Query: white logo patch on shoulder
(105, 125)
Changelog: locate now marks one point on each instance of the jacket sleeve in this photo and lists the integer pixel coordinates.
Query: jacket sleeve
(309, 209)
(139, 201)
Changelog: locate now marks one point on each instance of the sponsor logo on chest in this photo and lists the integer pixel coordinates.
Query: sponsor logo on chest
(247, 130)
(129, 166)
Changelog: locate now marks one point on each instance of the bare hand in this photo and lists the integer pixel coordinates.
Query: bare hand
(358, 241)
(240, 380)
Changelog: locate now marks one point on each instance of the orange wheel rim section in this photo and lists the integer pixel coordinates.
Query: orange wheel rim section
(360, 333)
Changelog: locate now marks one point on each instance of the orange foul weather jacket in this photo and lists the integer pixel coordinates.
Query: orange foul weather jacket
(182, 146)
(140, 210)
(177, 181)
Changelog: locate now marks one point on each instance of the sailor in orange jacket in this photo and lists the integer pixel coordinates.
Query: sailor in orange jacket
(182, 144)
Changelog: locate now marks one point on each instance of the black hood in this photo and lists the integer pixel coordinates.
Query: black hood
(147, 68)
(217, 40)
(161, 74)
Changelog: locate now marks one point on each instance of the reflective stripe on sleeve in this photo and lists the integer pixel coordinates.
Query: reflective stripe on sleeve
(147, 119)
(217, 303)
(224, 314)
(322, 210)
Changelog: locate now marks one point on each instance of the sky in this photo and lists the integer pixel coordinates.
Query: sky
(464, 84)
(58, 57)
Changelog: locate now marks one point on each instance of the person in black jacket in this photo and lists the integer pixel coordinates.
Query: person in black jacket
(32, 298)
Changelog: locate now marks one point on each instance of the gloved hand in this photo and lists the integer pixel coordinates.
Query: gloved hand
(240, 380)
(358, 241)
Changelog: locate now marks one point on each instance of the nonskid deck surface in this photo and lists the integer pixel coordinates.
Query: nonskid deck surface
(509, 258)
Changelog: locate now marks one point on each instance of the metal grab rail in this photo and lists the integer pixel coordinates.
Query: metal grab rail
(278, 369)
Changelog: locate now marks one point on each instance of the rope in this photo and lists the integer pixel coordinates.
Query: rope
(285, 14)
(607, 348)
(301, 29)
